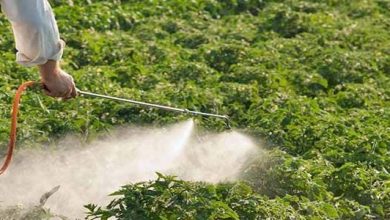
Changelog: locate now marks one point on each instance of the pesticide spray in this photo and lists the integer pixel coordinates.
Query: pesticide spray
(87, 174)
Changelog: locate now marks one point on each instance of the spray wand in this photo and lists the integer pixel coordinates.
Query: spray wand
(24, 86)
(151, 105)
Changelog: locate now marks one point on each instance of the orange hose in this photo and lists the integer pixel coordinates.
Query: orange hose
(14, 122)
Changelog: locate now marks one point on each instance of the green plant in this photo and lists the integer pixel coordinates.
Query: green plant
(310, 78)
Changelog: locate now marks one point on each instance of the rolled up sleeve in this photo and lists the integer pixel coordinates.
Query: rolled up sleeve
(35, 29)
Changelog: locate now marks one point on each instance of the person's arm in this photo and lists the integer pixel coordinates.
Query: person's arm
(38, 43)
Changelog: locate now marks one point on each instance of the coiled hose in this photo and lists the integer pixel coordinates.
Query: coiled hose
(14, 123)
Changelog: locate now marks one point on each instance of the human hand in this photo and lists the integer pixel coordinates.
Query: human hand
(56, 82)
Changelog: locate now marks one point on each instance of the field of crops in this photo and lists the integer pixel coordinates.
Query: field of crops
(310, 78)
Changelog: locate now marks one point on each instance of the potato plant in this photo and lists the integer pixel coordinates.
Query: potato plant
(311, 78)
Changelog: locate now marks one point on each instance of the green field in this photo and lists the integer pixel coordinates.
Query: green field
(311, 78)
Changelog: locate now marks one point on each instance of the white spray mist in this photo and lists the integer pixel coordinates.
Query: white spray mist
(87, 174)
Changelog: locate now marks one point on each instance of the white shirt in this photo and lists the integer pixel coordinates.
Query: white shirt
(35, 29)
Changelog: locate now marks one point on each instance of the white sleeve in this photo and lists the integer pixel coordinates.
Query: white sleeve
(35, 29)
